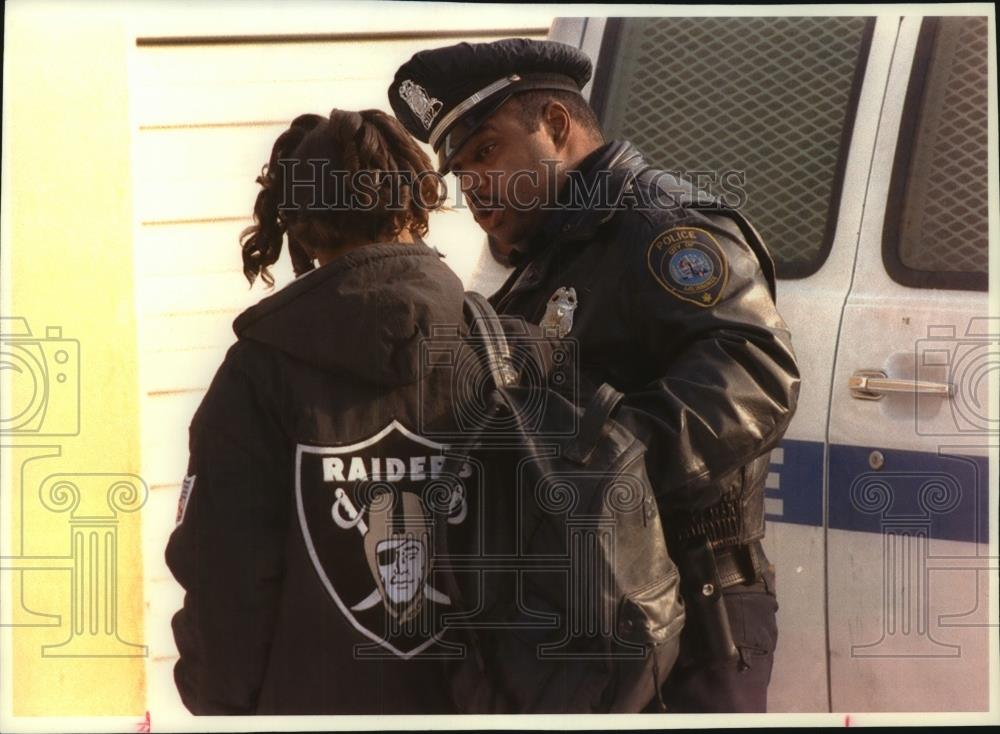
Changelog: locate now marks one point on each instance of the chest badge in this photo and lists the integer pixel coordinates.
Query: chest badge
(559, 311)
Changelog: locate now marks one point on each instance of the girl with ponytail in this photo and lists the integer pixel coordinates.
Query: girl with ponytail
(332, 184)
(307, 592)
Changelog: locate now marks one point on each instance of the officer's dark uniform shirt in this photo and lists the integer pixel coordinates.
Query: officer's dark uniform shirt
(675, 310)
(292, 605)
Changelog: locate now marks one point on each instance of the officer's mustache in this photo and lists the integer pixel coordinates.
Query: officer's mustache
(480, 203)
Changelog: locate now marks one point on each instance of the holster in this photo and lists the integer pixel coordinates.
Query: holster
(706, 607)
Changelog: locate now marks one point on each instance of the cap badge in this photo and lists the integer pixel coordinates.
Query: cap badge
(425, 107)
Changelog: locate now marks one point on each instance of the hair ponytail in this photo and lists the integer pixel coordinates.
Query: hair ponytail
(370, 144)
(261, 241)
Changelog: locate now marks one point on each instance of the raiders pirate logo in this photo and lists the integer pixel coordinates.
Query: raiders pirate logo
(689, 264)
(368, 514)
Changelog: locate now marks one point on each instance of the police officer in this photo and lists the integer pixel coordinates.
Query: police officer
(670, 296)
(303, 529)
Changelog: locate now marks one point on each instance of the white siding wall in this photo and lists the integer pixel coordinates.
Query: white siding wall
(204, 118)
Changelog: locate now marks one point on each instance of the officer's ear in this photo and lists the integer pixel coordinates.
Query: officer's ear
(558, 122)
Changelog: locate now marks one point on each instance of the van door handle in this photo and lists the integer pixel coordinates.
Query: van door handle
(876, 384)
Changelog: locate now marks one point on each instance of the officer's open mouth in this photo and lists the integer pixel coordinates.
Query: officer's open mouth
(489, 219)
(486, 214)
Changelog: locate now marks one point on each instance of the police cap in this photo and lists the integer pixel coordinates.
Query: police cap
(443, 95)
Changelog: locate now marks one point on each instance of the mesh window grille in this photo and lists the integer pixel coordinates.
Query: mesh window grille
(943, 227)
(768, 97)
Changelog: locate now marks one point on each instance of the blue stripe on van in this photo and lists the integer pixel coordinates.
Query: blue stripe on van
(941, 496)
(794, 490)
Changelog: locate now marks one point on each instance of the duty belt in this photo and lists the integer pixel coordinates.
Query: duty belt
(740, 564)
(720, 523)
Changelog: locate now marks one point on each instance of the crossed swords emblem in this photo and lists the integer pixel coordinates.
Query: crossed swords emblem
(347, 516)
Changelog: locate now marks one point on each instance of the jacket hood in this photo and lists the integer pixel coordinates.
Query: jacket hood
(365, 312)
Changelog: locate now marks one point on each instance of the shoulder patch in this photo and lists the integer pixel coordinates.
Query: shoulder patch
(688, 263)
(186, 487)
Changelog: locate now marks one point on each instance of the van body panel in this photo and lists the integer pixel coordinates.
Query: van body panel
(877, 509)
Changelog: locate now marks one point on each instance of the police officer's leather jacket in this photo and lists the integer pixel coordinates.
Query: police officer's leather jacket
(285, 607)
(675, 309)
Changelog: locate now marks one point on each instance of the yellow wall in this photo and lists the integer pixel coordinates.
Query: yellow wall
(83, 245)
(68, 241)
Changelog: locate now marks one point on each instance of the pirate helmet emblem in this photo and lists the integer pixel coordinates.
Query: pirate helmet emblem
(367, 512)
(397, 549)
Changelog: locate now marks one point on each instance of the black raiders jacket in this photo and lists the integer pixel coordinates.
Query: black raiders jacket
(673, 305)
(302, 532)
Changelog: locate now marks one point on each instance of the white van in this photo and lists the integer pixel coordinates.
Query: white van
(877, 508)
(858, 147)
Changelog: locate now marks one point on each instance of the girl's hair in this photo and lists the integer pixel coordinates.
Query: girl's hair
(352, 178)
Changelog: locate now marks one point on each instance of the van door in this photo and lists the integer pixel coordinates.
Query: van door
(909, 420)
(773, 115)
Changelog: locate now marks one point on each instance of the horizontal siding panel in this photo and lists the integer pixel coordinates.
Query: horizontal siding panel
(202, 173)
(184, 249)
(291, 62)
(183, 370)
(161, 507)
(228, 103)
(187, 331)
(170, 209)
(164, 467)
(171, 415)
(190, 155)
(207, 248)
(164, 464)
(310, 16)
(372, 61)
(167, 596)
(177, 259)
(206, 198)
(185, 294)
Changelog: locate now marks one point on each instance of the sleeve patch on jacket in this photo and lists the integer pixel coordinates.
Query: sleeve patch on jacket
(186, 486)
(689, 264)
